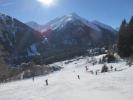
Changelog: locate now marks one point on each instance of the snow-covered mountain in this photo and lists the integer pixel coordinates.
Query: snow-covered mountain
(34, 25)
(59, 23)
(60, 35)
(74, 30)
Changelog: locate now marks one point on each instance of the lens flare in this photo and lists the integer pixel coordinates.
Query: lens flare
(46, 2)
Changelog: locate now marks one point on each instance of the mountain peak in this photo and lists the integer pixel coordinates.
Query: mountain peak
(2, 16)
(73, 15)
(34, 25)
(61, 22)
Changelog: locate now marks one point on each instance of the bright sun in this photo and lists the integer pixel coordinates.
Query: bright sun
(46, 2)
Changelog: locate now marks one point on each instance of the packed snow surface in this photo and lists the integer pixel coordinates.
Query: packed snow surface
(65, 85)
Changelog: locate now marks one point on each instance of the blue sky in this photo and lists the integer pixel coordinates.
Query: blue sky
(110, 12)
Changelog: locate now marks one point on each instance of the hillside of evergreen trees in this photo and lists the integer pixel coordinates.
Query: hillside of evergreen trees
(125, 41)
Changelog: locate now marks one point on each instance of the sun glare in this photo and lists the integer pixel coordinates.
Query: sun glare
(46, 2)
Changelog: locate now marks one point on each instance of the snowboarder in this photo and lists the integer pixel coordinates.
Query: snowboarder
(46, 81)
(78, 77)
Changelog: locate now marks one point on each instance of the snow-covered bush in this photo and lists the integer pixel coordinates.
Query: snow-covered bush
(109, 58)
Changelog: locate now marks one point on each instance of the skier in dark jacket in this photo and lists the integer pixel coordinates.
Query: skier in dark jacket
(46, 81)
(86, 68)
(78, 77)
(96, 72)
(111, 68)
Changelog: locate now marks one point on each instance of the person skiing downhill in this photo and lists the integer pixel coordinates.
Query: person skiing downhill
(111, 68)
(96, 72)
(46, 81)
(78, 77)
(86, 68)
(33, 78)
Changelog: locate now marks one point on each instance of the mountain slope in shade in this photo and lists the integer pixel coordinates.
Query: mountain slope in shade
(15, 36)
(3, 65)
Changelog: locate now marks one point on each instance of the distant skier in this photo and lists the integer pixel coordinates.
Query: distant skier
(33, 78)
(78, 77)
(115, 69)
(111, 68)
(46, 81)
(91, 72)
(96, 72)
(33, 74)
(86, 68)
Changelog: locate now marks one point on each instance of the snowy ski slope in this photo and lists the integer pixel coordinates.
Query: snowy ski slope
(64, 84)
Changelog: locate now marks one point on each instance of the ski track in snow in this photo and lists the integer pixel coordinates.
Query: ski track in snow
(64, 84)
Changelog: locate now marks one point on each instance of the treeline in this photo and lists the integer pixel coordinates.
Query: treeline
(125, 41)
(51, 56)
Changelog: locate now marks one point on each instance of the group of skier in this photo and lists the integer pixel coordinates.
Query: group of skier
(104, 68)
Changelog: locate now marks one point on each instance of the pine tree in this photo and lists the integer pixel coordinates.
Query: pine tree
(130, 33)
(131, 24)
(122, 27)
(125, 42)
(121, 37)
